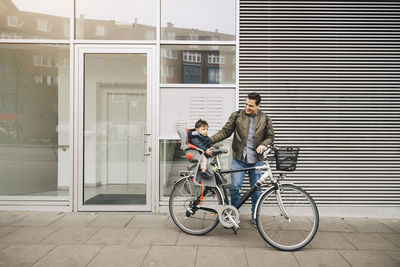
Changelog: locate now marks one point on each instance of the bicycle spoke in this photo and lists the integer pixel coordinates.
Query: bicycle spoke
(287, 233)
(191, 219)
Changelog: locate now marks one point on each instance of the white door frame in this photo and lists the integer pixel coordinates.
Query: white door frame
(80, 51)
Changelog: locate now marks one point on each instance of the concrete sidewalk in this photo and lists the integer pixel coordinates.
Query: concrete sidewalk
(30, 238)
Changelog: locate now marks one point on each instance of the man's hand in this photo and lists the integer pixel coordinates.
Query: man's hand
(260, 149)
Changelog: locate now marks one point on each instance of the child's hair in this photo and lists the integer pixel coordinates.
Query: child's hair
(200, 123)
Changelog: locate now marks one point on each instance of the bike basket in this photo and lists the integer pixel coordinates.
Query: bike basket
(286, 158)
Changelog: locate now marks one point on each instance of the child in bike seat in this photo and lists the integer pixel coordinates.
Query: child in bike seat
(199, 137)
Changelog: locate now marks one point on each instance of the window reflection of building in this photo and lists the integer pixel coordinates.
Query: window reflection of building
(42, 25)
(194, 66)
(17, 24)
(191, 74)
(100, 30)
(12, 21)
(189, 56)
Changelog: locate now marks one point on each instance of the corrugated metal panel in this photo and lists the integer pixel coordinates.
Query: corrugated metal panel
(329, 75)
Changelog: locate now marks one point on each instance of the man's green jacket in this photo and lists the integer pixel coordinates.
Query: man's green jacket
(263, 133)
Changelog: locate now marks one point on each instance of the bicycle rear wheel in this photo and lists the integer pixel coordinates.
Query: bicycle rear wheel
(291, 232)
(187, 212)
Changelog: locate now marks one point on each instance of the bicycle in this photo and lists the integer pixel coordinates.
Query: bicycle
(286, 216)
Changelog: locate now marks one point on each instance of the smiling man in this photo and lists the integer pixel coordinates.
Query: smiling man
(253, 132)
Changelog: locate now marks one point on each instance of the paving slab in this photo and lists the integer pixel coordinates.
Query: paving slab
(244, 238)
(148, 221)
(22, 255)
(245, 220)
(151, 236)
(394, 254)
(330, 240)
(4, 230)
(392, 238)
(393, 224)
(257, 257)
(368, 258)
(69, 255)
(8, 217)
(221, 257)
(334, 224)
(210, 239)
(71, 235)
(74, 220)
(317, 257)
(169, 223)
(115, 255)
(27, 235)
(177, 256)
(111, 220)
(368, 225)
(369, 241)
(113, 236)
(36, 219)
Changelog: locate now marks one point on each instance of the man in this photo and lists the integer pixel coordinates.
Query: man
(253, 132)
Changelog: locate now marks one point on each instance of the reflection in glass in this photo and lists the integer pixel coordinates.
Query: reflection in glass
(116, 20)
(34, 122)
(115, 123)
(198, 64)
(205, 20)
(39, 19)
(173, 160)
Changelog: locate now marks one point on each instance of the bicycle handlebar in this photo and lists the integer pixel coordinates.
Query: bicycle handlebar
(216, 152)
(270, 148)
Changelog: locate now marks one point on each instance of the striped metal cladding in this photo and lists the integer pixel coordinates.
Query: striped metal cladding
(329, 76)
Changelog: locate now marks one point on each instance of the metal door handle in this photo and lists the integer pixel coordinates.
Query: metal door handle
(144, 144)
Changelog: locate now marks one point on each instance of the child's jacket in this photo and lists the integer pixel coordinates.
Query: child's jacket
(201, 141)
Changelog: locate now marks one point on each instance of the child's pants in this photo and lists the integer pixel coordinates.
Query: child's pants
(203, 163)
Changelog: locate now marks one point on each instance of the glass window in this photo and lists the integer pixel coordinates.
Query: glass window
(34, 122)
(205, 20)
(195, 64)
(116, 20)
(39, 19)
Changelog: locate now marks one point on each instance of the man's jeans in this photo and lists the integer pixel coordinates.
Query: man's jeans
(237, 181)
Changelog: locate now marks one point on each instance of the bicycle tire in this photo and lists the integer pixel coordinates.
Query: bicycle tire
(282, 233)
(182, 198)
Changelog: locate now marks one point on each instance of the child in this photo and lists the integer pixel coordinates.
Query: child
(198, 137)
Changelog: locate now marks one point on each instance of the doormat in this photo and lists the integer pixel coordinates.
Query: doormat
(117, 199)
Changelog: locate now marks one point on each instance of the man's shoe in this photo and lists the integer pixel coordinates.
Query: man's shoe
(253, 222)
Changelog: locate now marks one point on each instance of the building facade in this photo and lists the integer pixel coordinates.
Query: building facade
(91, 93)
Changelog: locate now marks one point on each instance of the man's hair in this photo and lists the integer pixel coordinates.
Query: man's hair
(254, 96)
(200, 123)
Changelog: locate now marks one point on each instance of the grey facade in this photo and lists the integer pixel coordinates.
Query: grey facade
(329, 74)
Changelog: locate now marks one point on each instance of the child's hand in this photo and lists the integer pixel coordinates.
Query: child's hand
(208, 152)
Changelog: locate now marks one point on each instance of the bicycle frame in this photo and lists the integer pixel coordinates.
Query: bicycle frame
(280, 207)
(263, 179)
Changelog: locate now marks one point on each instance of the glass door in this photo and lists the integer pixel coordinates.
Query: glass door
(115, 90)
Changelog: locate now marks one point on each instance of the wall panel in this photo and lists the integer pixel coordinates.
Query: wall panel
(329, 75)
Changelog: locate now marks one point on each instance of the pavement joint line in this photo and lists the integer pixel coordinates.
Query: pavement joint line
(98, 252)
(197, 253)
(147, 254)
(54, 247)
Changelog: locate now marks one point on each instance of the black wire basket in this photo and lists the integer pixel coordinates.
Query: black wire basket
(286, 158)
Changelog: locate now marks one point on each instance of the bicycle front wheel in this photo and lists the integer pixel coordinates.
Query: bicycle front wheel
(287, 218)
(187, 210)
